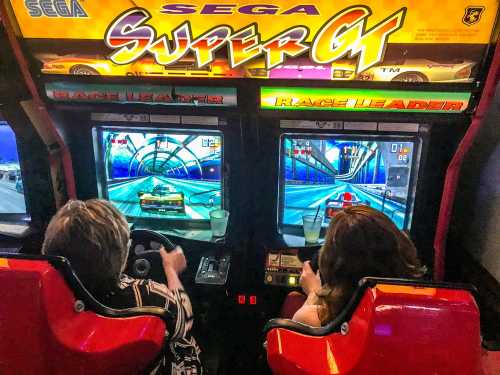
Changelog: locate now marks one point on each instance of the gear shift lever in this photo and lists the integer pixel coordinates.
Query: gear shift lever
(214, 269)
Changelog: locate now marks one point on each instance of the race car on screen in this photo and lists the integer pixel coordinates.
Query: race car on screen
(163, 198)
(341, 201)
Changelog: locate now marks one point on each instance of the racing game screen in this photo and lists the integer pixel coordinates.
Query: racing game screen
(332, 172)
(11, 184)
(163, 175)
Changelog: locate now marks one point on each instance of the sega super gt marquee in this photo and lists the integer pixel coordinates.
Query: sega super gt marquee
(282, 39)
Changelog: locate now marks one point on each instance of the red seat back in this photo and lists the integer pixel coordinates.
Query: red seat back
(395, 329)
(42, 333)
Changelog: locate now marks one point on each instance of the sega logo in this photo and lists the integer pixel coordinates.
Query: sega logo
(55, 8)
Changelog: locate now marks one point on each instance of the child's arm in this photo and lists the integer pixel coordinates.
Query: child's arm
(173, 281)
(178, 302)
(173, 264)
(311, 284)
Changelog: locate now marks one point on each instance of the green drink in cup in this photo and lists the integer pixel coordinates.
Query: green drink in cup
(312, 227)
(218, 222)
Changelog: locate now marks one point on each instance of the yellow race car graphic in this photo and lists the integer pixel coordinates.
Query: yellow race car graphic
(83, 65)
(163, 198)
(145, 67)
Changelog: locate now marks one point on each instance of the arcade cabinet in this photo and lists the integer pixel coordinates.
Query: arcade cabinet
(319, 171)
(24, 165)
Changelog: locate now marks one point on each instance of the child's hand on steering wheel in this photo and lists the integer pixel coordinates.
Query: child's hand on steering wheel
(174, 259)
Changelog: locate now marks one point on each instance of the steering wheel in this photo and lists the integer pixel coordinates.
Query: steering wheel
(144, 259)
(310, 253)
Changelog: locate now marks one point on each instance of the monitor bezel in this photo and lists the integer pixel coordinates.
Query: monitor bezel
(17, 217)
(154, 223)
(415, 139)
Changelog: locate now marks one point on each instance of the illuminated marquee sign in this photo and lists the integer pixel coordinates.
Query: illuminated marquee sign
(344, 34)
(276, 39)
(290, 98)
(142, 94)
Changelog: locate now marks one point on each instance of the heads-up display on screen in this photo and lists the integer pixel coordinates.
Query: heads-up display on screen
(163, 175)
(11, 184)
(332, 172)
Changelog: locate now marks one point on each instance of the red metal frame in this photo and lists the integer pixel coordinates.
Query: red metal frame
(39, 104)
(453, 170)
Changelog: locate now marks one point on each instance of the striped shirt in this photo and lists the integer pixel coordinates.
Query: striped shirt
(181, 353)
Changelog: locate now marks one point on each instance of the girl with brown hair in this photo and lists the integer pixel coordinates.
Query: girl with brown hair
(360, 241)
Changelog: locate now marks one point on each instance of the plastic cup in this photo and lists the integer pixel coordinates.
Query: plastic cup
(218, 222)
(312, 227)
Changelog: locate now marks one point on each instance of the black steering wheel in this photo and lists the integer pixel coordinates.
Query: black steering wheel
(310, 253)
(144, 259)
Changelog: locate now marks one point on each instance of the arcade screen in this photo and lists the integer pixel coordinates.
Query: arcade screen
(327, 173)
(11, 183)
(158, 174)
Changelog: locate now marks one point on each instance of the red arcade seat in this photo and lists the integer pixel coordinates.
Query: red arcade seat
(389, 327)
(48, 328)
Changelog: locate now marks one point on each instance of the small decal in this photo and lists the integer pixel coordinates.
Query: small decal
(472, 15)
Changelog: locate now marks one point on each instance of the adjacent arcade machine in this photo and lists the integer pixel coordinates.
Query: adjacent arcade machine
(22, 217)
(274, 116)
(24, 165)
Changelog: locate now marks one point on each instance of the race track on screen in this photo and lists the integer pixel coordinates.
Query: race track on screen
(301, 199)
(125, 197)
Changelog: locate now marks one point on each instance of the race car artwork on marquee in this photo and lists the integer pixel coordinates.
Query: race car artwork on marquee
(354, 41)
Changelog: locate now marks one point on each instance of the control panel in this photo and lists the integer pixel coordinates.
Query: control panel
(283, 268)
